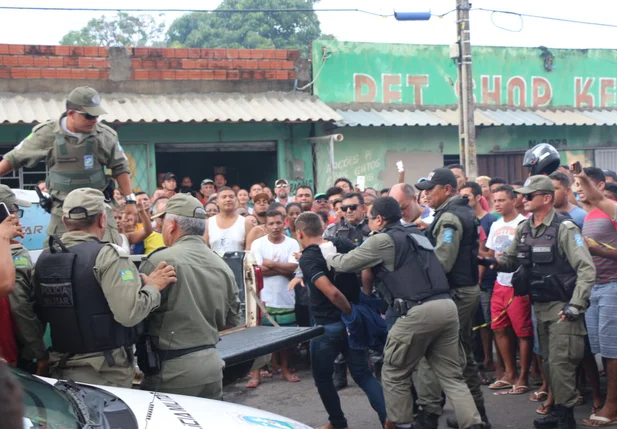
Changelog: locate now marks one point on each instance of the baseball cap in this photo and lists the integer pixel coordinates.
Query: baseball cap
(207, 181)
(439, 176)
(261, 196)
(169, 176)
(610, 173)
(320, 195)
(88, 99)
(183, 205)
(535, 184)
(83, 202)
(7, 196)
(281, 181)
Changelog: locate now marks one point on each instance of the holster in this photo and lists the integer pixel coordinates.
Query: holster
(108, 192)
(44, 202)
(520, 281)
(400, 307)
(147, 355)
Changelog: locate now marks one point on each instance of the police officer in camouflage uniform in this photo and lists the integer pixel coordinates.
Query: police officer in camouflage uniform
(77, 150)
(412, 281)
(454, 233)
(29, 329)
(557, 271)
(92, 296)
(203, 301)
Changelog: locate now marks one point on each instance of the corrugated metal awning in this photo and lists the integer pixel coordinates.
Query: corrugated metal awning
(190, 107)
(398, 116)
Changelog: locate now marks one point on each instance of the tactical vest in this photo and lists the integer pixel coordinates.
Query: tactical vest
(76, 166)
(549, 274)
(72, 301)
(464, 272)
(417, 274)
(357, 234)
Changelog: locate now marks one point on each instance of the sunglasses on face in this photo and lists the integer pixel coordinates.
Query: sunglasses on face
(321, 201)
(351, 207)
(88, 116)
(282, 185)
(530, 197)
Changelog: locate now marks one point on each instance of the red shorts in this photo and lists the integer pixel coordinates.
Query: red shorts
(518, 314)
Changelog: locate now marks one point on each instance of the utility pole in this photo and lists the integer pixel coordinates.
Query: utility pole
(466, 104)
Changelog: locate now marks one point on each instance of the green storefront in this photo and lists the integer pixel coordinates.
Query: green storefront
(249, 138)
(398, 102)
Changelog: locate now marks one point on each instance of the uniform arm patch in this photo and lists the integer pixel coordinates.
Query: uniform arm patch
(126, 275)
(448, 235)
(578, 239)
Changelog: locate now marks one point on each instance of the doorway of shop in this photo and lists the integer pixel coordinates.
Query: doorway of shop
(242, 163)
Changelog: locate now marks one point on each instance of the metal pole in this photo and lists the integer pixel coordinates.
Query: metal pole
(467, 129)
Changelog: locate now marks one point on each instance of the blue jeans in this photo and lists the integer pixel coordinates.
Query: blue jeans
(324, 351)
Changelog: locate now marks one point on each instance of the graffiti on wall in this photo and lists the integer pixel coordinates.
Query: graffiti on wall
(296, 183)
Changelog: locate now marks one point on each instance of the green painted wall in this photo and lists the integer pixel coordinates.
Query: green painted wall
(139, 142)
(364, 149)
(423, 74)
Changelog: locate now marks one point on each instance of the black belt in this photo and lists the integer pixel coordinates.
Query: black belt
(411, 304)
(173, 354)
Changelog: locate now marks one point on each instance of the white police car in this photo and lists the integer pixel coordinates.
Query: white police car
(60, 405)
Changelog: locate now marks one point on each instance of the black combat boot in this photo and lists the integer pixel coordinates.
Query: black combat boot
(426, 420)
(452, 423)
(565, 417)
(340, 375)
(547, 422)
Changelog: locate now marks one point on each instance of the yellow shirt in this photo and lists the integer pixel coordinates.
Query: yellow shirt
(153, 242)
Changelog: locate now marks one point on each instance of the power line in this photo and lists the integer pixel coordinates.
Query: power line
(83, 9)
(548, 18)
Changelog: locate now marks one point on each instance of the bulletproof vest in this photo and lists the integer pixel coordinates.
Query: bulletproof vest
(464, 272)
(76, 166)
(417, 274)
(71, 300)
(357, 233)
(549, 274)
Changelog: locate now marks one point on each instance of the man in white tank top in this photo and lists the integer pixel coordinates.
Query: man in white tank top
(227, 231)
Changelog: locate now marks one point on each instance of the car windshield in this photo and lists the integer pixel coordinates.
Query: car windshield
(44, 405)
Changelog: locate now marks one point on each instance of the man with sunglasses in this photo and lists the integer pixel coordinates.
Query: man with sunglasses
(77, 150)
(281, 190)
(558, 272)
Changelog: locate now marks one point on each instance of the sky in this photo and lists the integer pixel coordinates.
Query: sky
(48, 27)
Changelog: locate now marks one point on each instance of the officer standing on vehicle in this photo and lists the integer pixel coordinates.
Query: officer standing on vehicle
(29, 330)
(410, 277)
(92, 296)
(558, 272)
(454, 234)
(203, 301)
(77, 150)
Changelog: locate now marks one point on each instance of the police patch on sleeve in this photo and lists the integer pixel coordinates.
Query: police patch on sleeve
(126, 275)
(448, 234)
(578, 239)
(20, 261)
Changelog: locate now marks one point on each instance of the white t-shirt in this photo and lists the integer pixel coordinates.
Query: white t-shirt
(275, 293)
(499, 239)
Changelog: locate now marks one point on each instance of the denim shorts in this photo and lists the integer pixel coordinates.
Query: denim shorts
(601, 320)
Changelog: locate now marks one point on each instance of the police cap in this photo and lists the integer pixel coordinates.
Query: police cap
(183, 205)
(82, 203)
(88, 99)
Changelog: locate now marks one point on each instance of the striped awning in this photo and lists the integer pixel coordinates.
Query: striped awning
(190, 107)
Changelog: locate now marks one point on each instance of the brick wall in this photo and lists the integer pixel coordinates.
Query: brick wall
(95, 63)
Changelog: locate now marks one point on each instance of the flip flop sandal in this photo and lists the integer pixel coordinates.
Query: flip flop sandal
(544, 410)
(516, 390)
(599, 422)
(252, 384)
(500, 385)
(540, 396)
(292, 378)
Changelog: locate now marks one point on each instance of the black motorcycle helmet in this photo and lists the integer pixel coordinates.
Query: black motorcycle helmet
(542, 159)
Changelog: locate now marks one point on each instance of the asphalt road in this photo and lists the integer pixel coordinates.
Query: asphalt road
(301, 402)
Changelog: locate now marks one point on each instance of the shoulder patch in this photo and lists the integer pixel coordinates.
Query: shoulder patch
(127, 275)
(448, 235)
(578, 239)
(20, 261)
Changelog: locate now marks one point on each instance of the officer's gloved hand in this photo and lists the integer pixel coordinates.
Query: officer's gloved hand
(570, 312)
(327, 249)
(488, 262)
(342, 244)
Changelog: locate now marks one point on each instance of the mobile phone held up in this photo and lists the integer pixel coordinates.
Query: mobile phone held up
(4, 212)
(576, 167)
